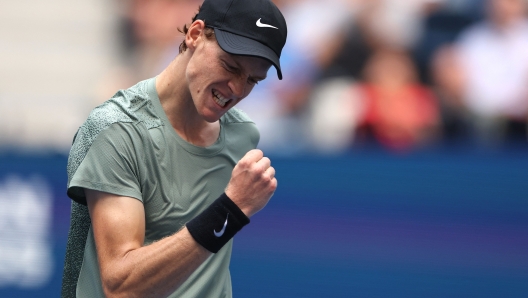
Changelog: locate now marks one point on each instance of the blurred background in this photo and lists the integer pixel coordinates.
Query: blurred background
(399, 136)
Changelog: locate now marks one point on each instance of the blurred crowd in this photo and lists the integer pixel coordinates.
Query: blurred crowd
(398, 74)
(401, 75)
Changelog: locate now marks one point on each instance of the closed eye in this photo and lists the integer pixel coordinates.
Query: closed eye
(237, 71)
(230, 68)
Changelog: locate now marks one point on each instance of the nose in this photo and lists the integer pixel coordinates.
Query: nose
(238, 86)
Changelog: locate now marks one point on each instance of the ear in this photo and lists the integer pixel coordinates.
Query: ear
(194, 34)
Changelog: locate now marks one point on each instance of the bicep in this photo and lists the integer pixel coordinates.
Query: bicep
(118, 225)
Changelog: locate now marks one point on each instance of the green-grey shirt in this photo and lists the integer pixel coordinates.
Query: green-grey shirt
(128, 147)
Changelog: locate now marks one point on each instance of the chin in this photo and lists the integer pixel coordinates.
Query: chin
(212, 117)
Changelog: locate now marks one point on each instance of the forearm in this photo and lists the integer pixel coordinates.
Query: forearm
(155, 270)
(130, 269)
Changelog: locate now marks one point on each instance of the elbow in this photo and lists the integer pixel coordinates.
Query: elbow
(115, 287)
(112, 291)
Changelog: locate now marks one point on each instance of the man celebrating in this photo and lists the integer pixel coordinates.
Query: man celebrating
(165, 173)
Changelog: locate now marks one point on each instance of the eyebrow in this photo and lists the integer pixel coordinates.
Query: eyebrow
(258, 78)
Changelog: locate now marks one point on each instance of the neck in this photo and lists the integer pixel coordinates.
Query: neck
(179, 107)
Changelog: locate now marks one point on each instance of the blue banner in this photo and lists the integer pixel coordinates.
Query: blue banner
(365, 224)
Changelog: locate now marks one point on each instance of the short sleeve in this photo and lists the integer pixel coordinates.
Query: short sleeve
(111, 164)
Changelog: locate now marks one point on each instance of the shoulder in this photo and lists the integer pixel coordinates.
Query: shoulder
(127, 114)
(132, 105)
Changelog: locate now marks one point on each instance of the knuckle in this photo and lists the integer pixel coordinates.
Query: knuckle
(270, 172)
(255, 154)
(266, 177)
(244, 162)
(274, 183)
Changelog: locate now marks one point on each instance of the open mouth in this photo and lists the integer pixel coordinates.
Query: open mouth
(219, 99)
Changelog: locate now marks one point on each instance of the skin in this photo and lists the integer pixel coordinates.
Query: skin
(505, 12)
(185, 88)
(187, 95)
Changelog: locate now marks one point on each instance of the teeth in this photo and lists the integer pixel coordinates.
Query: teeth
(220, 99)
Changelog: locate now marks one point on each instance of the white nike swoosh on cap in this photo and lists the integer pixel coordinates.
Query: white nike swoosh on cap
(259, 24)
(219, 234)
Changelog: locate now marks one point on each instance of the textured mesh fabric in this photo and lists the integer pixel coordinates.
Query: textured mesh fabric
(128, 147)
(79, 226)
(121, 108)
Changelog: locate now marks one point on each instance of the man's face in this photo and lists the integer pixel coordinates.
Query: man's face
(218, 80)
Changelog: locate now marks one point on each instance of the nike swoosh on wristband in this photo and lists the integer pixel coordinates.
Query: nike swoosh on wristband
(259, 24)
(219, 234)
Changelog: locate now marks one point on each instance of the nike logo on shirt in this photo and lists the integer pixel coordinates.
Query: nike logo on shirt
(219, 234)
(262, 25)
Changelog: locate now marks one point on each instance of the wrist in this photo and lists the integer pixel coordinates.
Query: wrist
(217, 224)
(245, 208)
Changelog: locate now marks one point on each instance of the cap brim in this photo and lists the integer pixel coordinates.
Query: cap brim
(239, 45)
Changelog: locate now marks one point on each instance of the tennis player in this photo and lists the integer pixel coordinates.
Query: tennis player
(165, 173)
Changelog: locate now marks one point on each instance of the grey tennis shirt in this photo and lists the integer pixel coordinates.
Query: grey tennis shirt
(128, 147)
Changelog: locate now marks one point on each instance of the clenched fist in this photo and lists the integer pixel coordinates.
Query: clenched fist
(252, 182)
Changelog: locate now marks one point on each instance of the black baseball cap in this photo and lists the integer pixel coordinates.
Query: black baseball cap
(247, 27)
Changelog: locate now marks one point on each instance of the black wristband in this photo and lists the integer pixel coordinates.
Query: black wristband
(217, 224)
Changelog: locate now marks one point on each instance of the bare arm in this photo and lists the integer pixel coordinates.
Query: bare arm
(129, 268)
